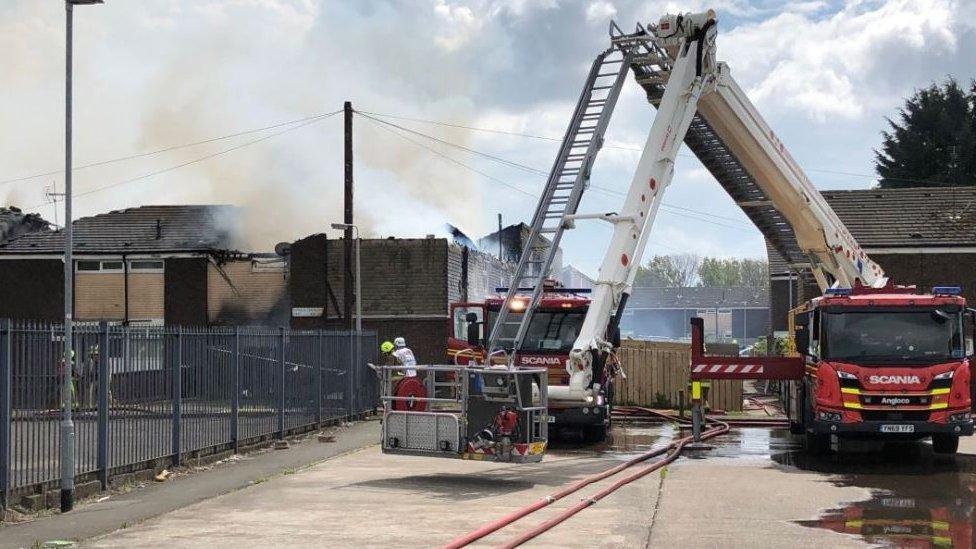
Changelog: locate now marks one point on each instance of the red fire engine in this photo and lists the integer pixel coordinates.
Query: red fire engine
(882, 362)
(550, 337)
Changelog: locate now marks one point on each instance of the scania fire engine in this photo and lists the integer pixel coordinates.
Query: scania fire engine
(555, 327)
(862, 344)
(882, 362)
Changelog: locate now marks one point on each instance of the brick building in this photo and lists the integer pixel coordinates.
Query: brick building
(152, 264)
(922, 236)
(407, 286)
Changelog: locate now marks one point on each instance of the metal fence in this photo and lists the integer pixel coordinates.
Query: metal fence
(145, 393)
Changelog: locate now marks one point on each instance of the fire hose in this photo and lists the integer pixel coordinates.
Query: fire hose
(671, 451)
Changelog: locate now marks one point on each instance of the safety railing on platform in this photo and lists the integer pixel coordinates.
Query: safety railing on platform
(147, 393)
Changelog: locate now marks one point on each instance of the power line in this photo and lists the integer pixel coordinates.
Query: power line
(529, 168)
(310, 118)
(542, 173)
(634, 149)
(200, 159)
(455, 161)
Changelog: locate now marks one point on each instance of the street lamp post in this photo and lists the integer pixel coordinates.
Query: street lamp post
(67, 453)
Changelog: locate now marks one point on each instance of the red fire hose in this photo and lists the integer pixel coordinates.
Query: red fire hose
(672, 451)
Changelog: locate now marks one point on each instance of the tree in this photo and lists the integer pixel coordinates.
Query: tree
(718, 272)
(754, 273)
(933, 144)
(669, 271)
(686, 270)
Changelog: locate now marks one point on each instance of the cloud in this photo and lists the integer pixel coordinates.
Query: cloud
(600, 11)
(845, 63)
(165, 72)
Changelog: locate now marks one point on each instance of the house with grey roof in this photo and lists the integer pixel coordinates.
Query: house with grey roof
(730, 313)
(150, 264)
(924, 236)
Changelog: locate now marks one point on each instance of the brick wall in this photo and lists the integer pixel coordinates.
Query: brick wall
(32, 289)
(246, 291)
(407, 286)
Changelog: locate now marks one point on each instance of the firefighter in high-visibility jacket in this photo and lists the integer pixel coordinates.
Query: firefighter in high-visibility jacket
(398, 353)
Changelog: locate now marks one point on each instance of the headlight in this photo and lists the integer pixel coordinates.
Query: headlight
(845, 375)
(960, 418)
(586, 410)
(828, 416)
(944, 375)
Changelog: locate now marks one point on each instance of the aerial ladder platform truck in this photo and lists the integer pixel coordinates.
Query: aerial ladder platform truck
(873, 360)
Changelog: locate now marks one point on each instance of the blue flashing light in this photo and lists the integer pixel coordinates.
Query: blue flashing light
(838, 291)
(947, 290)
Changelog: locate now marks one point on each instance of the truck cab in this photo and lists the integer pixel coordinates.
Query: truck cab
(554, 328)
(882, 363)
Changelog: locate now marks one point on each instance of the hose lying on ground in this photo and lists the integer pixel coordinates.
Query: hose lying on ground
(672, 451)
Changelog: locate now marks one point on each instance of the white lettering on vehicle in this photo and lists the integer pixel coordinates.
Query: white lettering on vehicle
(894, 379)
(542, 360)
(894, 401)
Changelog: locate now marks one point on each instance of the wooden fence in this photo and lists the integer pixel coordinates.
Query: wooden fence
(657, 371)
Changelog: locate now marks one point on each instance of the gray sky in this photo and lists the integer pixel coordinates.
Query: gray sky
(158, 73)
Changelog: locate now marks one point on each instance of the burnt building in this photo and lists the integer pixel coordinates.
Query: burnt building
(147, 265)
(508, 244)
(921, 236)
(734, 313)
(14, 222)
(407, 287)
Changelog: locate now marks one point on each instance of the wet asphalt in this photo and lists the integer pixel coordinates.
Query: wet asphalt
(918, 498)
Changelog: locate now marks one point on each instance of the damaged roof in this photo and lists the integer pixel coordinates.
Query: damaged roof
(14, 223)
(146, 229)
(923, 217)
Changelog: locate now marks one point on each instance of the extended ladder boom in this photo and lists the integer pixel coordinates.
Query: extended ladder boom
(675, 62)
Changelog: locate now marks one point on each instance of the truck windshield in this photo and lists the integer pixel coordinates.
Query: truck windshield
(918, 336)
(549, 331)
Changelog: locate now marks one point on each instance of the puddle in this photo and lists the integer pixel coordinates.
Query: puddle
(625, 441)
(919, 499)
(751, 444)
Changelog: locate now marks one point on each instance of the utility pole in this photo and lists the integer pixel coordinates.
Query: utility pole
(347, 299)
(67, 453)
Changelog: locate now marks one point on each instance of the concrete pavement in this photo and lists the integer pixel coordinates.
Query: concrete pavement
(367, 499)
(754, 489)
(90, 519)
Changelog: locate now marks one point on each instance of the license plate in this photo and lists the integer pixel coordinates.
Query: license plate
(897, 428)
(552, 419)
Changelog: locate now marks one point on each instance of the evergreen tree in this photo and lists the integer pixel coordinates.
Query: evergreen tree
(933, 143)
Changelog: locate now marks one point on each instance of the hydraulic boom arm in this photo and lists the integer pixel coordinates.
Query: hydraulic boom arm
(682, 53)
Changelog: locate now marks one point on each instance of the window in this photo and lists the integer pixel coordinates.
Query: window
(548, 331)
(146, 265)
(93, 266)
(916, 336)
(469, 330)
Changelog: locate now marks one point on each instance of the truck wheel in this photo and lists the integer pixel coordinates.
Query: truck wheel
(945, 444)
(816, 444)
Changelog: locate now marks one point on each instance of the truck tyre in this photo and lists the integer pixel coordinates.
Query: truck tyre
(945, 444)
(816, 444)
